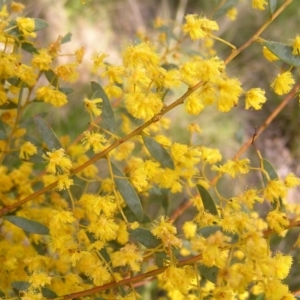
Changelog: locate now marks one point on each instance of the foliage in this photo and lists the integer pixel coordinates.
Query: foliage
(75, 212)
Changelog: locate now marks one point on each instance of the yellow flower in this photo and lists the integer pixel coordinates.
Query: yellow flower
(277, 220)
(114, 74)
(98, 61)
(269, 55)
(64, 182)
(193, 104)
(27, 150)
(93, 140)
(274, 190)
(58, 162)
(54, 97)
(198, 27)
(296, 45)
(229, 92)
(67, 72)
(17, 7)
(142, 54)
(189, 228)
(26, 26)
(283, 83)
(165, 231)
(143, 106)
(39, 279)
(231, 13)
(233, 168)
(79, 54)
(128, 255)
(210, 156)
(255, 98)
(291, 180)
(259, 4)
(93, 106)
(42, 60)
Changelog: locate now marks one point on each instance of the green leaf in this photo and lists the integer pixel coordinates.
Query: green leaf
(272, 6)
(47, 133)
(52, 78)
(8, 105)
(20, 285)
(14, 81)
(207, 200)
(284, 52)
(161, 258)
(267, 166)
(28, 225)
(39, 24)
(2, 135)
(145, 237)
(209, 273)
(47, 293)
(65, 90)
(131, 217)
(66, 38)
(158, 152)
(107, 112)
(223, 9)
(28, 47)
(128, 192)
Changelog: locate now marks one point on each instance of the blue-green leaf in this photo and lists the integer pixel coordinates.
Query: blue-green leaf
(284, 52)
(47, 133)
(52, 77)
(127, 192)
(267, 166)
(158, 152)
(66, 38)
(145, 237)
(39, 24)
(209, 273)
(47, 293)
(207, 200)
(20, 285)
(28, 47)
(65, 90)
(8, 105)
(272, 6)
(28, 225)
(107, 112)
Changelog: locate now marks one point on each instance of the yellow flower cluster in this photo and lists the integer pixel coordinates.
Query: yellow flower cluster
(109, 206)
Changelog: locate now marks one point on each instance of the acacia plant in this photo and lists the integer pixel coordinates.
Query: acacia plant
(77, 217)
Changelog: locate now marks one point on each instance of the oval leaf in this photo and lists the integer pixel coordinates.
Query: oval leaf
(272, 6)
(39, 24)
(284, 52)
(28, 47)
(107, 112)
(20, 285)
(267, 166)
(66, 38)
(158, 152)
(145, 237)
(47, 293)
(209, 273)
(52, 78)
(207, 200)
(128, 192)
(47, 133)
(65, 90)
(28, 225)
